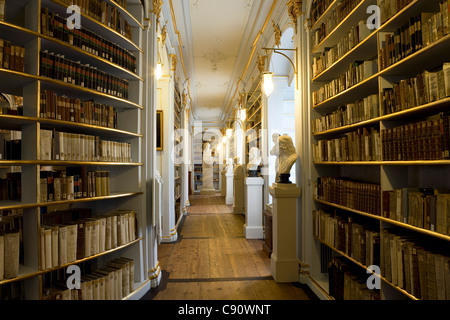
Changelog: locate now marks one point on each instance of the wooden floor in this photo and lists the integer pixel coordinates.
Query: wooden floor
(212, 260)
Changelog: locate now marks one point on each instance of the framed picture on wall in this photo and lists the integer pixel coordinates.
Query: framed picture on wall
(159, 130)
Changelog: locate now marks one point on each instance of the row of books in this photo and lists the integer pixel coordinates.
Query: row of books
(12, 291)
(425, 88)
(11, 186)
(419, 32)
(351, 113)
(420, 207)
(10, 243)
(345, 44)
(318, 8)
(360, 145)
(413, 265)
(105, 13)
(337, 15)
(57, 145)
(53, 106)
(349, 282)
(10, 145)
(358, 241)
(79, 239)
(361, 196)
(424, 140)
(54, 26)
(358, 71)
(12, 57)
(73, 183)
(113, 282)
(2, 10)
(56, 66)
(389, 8)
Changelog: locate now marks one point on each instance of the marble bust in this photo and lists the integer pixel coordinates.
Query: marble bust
(238, 170)
(229, 168)
(275, 152)
(207, 158)
(287, 157)
(254, 161)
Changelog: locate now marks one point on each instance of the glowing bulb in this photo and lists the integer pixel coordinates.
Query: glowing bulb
(268, 83)
(229, 133)
(158, 71)
(243, 114)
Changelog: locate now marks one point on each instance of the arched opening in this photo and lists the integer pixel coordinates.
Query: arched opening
(281, 102)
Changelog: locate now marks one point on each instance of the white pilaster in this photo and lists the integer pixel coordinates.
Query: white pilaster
(253, 228)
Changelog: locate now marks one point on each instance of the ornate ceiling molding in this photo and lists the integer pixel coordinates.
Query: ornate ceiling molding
(295, 10)
(277, 32)
(174, 62)
(157, 6)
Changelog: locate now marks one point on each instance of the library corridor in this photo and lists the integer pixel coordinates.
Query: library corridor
(212, 260)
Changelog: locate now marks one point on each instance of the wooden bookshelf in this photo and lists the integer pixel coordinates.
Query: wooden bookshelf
(390, 175)
(253, 124)
(178, 173)
(22, 27)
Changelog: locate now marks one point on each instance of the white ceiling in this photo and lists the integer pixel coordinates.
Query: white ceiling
(217, 36)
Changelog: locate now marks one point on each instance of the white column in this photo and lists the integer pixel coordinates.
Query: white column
(253, 228)
(229, 199)
(238, 192)
(284, 263)
(223, 189)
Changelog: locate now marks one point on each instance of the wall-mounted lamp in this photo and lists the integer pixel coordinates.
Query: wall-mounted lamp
(243, 114)
(268, 83)
(268, 76)
(158, 72)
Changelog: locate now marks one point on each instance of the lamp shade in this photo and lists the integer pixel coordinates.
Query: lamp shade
(268, 83)
(243, 114)
(158, 71)
(229, 133)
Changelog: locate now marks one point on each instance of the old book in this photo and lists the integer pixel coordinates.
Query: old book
(62, 244)
(46, 142)
(48, 247)
(440, 277)
(422, 262)
(446, 71)
(431, 277)
(81, 240)
(447, 277)
(12, 245)
(55, 249)
(72, 242)
(2, 255)
(6, 53)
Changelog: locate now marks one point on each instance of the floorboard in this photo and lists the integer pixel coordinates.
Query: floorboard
(213, 260)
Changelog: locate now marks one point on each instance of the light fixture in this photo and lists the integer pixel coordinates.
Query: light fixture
(158, 71)
(268, 83)
(229, 133)
(243, 114)
(277, 50)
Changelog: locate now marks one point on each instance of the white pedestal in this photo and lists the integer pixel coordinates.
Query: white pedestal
(229, 199)
(284, 264)
(253, 228)
(238, 194)
(223, 189)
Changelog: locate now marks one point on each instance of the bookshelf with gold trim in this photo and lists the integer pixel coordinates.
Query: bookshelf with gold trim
(376, 159)
(99, 126)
